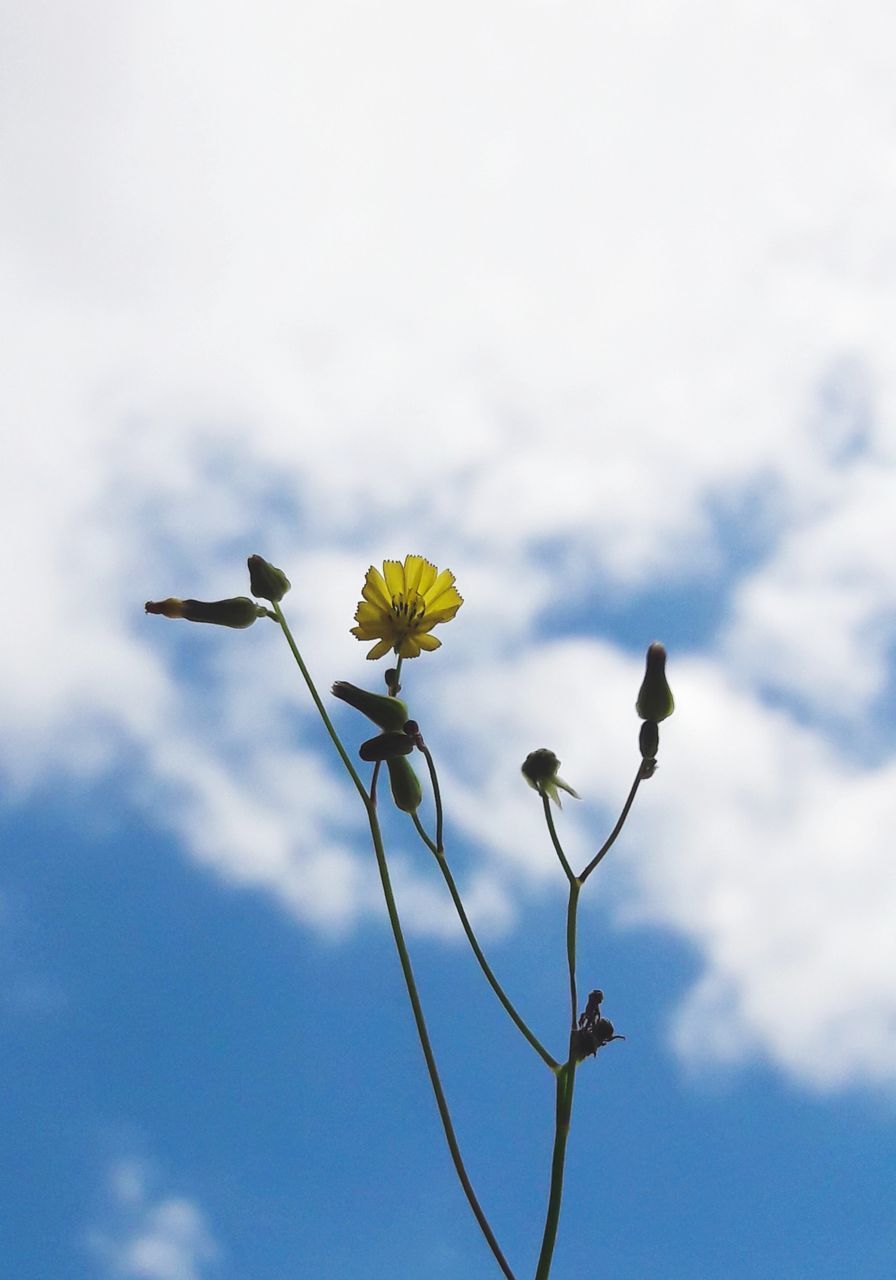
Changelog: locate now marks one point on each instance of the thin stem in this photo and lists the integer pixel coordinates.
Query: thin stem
(615, 832)
(558, 848)
(425, 1045)
(421, 832)
(571, 912)
(436, 793)
(567, 1073)
(565, 1084)
(370, 807)
(328, 725)
(394, 685)
(478, 952)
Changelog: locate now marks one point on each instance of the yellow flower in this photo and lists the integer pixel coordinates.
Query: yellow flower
(402, 604)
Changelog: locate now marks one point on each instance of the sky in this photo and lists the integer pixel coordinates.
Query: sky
(594, 306)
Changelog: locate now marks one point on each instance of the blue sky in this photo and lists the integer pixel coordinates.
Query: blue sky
(594, 307)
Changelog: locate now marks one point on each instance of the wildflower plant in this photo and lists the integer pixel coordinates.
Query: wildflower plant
(399, 609)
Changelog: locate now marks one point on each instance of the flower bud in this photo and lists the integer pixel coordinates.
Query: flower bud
(385, 746)
(238, 612)
(540, 771)
(267, 582)
(406, 790)
(655, 701)
(388, 713)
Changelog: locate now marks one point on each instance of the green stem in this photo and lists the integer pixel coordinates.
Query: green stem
(478, 953)
(565, 1084)
(571, 912)
(426, 1046)
(395, 922)
(393, 686)
(583, 876)
(328, 725)
(567, 1073)
(558, 848)
(436, 793)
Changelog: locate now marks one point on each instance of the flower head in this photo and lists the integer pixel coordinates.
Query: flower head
(540, 771)
(402, 604)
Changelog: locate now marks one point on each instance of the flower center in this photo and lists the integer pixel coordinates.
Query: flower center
(408, 610)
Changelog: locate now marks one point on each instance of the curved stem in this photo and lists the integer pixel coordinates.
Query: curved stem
(370, 807)
(426, 1046)
(328, 725)
(436, 793)
(478, 952)
(583, 876)
(558, 848)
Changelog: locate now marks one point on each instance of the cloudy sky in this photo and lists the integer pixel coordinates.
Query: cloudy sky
(594, 305)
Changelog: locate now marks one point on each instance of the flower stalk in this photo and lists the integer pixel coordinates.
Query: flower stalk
(398, 611)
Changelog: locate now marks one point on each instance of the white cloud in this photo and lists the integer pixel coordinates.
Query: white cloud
(758, 840)
(332, 283)
(818, 620)
(152, 1238)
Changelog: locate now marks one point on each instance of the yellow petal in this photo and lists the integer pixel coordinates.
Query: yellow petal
(428, 642)
(427, 577)
(368, 613)
(375, 589)
(410, 647)
(394, 571)
(445, 606)
(439, 584)
(379, 650)
(412, 569)
(367, 633)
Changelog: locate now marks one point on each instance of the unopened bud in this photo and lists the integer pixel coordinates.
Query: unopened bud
(238, 612)
(540, 771)
(655, 701)
(266, 581)
(406, 790)
(388, 713)
(385, 746)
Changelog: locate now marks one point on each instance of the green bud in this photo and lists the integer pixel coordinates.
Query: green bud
(540, 771)
(385, 746)
(267, 582)
(406, 790)
(238, 612)
(388, 713)
(655, 701)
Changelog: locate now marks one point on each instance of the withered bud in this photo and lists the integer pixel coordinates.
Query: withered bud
(238, 612)
(594, 1031)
